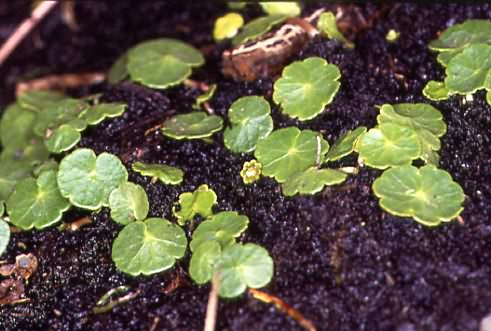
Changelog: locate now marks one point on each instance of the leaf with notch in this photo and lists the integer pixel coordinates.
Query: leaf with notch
(199, 202)
(203, 261)
(128, 202)
(97, 113)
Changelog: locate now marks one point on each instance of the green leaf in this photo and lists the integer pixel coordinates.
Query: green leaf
(10, 173)
(62, 139)
(203, 261)
(428, 194)
(96, 114)
(16, 126)
(49, 164)
(467, 71)
(161, 63)
(148, 247)
(223, 227)
(306, 87)
(208, 95)
(328, 26)
(461, 36)
(128, 202)
(199, 202)
(39, 100)
(242, 266)
(62, 112)
(444, 57)
(2, 208)
(288, 151)
(118, 71)
(345, 144)
(227, 26)
(166, 174)
(257, 27)
(194, 125)
(87, 180)
(250, 121)
(33, 153)
(389, 145)
(312, 181)
(37, 203)
(436, 91)
(281, 8)
(488, 97)
(4, 236)
(251, 171)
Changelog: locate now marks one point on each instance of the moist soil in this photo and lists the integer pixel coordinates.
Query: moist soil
(339, 259)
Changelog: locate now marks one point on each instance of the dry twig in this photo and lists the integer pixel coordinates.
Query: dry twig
(62, 81)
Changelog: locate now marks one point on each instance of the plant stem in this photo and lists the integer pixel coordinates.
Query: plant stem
(211, 309)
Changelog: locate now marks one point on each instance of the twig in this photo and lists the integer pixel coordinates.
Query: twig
(76, 225)
(155, 323)
(60, 81)
(113, 303)
(25, 28)
(211, 309)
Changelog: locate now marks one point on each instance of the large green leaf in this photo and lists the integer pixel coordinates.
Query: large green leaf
(312, 181)
(460, 36)
(194, 125)
(128, 202)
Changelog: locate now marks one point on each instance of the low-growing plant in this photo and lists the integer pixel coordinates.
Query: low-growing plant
(128, 203)
(166, 174)
(199, 202)
(251, 171)
(306, 87)
(194, 125)
(257, 27)
(227, 26)
(327, 25)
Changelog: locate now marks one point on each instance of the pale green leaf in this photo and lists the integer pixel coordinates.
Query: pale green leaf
(289, 8)
(97, 113)
(166, 174)
(62, 139)
(16, 126)
(345, 144)
(227, 26)
(56, 114)
(461, 36)
(129, 202)
(118, 71)
(4, 236)
(436, 91)
(194, 125)
(39, 100)
(203, 261)
(257, 27)
(312, 181)
(205, 97)
(10, 173)
(328, 26)
(199, 202)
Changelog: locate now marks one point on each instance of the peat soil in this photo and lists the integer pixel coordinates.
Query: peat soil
(339, 259)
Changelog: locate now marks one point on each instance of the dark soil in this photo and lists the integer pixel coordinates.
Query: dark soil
(339, 259)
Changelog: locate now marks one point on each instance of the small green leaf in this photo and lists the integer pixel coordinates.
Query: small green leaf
(281, 8)
(4, 236)
(37, 202)
(250, 121)
(288, 151)
(251, 171)
(242, 266)
(16, 126)
(428, 194)
(208, 95)
(257, 27)
(436, 91)
(306, 87)
(62, 112)
(227, 26)
(223, 227)
(328, 26)
(167, 174)
(444, 57)
(161, 63)
(312, 181)
(39, 100)
(62, 139)
(96, 114)
(118, 71)
(194, 125)
(460, 36)
(203, 261)
(10, 173)
(389, 145)
(128, 202)
(148, 247)
(199, 202)
(87, 180)
(467, 71)
(345, 144)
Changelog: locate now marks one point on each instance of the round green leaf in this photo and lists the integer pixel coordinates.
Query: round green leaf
(312, 181)
(38, 100)
(427, 194)
(16, 126)
(62, 139)
(257, 27)
(56, 114)
(148, 247)
(281, 8)
(96, 114)
(87, 180)
(203, 260)
(227, 26)
(444, 57)
(250, 121)
(436, 91)
(328, 26)
(288, 151)
(118, 71)
(161, 63)
(166, 174)
(37, 202)
(199, 202)
(4, 236)
(194, 125)
(460, 36)
(306, 87)
(223, 227)
(389, 145)
(345, 144)
(242, 266)
(467, 71)
(10, 173)
(128, 202)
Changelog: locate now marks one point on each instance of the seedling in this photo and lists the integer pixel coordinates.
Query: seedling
(87, 180)
(288, 151)
(328, 27)
(4, 236)
(194, 125)
(97, 113)
(227, 26)
(199, 202)
(64, 138)
(429, 195)
(251, 122)
(161, 63)
(306, 87)
(251, 171)
(436, 91)
(345, 145)
(312, 181)
(148, 247)
(39, 100)
(281, 8)
(166, 174)
(37, 202)
(257, 27)
(128, 203)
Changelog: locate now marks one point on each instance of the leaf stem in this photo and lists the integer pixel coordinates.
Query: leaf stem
(211, 309)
